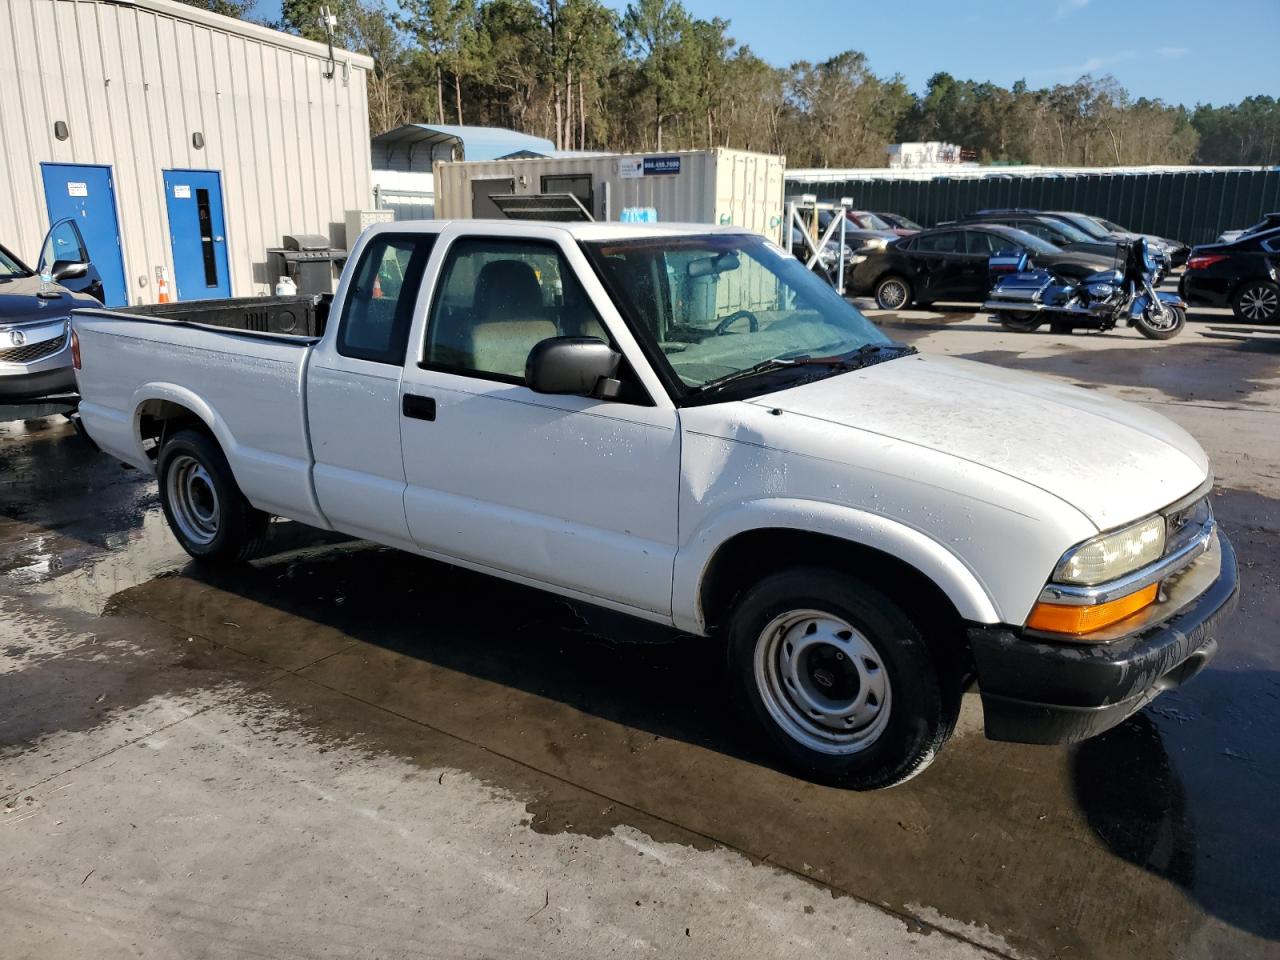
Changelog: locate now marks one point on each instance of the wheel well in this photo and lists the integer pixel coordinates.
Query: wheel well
(157, 419)
(746, 558)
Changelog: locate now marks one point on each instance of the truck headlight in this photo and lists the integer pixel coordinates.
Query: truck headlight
(1112, 555)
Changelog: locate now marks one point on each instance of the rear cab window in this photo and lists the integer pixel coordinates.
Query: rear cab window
(378, 309)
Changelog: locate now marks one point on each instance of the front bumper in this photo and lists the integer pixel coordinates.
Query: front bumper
(47, 372)
(1039, 691)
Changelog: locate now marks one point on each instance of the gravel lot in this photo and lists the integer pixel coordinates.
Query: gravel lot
(346, 751)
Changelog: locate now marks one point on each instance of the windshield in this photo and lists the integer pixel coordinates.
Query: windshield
(1113, 226)
(905, 224)
(1029, 240)
(1073, 233)
(717, 305)
(871, 222)
(10, 267)
(1088, 225)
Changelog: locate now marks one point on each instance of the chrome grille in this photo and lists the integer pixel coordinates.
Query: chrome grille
(31, 352)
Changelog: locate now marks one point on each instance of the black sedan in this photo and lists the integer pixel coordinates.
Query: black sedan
(951, 263)
(1243, 275)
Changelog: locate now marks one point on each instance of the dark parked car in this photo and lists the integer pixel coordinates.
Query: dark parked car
(1175, 250)
(952, 263)
(1269, 221)
(1051, 229)
(898, 222)
(1243, 275)
(35, 314)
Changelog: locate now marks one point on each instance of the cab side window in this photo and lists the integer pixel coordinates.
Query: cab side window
(497, 299)
(378, 309)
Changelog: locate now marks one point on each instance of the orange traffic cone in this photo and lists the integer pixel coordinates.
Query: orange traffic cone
(162, 285)
(377, 288)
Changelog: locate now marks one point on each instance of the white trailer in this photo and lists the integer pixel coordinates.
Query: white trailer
(722, 187)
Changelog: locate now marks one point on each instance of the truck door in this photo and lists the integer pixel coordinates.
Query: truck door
(85, 193)
(566, 491)
(197, 234)
(353, 389)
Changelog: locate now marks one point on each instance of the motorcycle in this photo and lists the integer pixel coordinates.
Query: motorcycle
(1023, 299)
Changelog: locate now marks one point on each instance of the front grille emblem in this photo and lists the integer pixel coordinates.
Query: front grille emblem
(17, 338)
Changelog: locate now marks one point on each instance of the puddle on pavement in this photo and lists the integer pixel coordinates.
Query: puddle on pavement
(1186, 371)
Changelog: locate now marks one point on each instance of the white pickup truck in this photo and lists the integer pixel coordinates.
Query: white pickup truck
(686, 425)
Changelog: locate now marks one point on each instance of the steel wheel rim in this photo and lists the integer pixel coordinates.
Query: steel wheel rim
(1259, 303)
(893, 293)
(823, 682)
(193, 499)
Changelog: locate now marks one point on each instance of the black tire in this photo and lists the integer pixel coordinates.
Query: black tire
(922, 699)
(899, 290)
(1257, 302)
(1162, 333)
(1022, 321)
(205, 509)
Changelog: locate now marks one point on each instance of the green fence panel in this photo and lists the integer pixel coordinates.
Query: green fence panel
(1191, 206)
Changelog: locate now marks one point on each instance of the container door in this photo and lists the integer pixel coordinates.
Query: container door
(197, 234)
(482, 208)
(85, 194)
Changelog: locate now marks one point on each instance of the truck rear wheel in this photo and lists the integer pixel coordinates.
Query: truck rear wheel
(206, 510)
(838, 680)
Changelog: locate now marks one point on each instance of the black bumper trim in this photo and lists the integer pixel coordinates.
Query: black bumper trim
(1035, 691)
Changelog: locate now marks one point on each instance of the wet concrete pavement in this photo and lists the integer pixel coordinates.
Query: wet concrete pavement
(349, 750)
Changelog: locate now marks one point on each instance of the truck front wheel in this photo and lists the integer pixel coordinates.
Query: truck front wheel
(838, 679)
(206, 510)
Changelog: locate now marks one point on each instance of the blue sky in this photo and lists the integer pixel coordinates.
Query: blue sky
(1182, 51)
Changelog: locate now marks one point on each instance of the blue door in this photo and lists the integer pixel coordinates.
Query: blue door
(84, 193)
(197, 234)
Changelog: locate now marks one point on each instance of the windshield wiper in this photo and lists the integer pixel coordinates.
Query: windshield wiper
(863, 356)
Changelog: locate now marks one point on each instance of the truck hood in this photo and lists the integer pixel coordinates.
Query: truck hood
(19, 303)
(1113, 461)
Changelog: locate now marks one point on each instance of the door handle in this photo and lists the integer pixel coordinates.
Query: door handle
(419, 408)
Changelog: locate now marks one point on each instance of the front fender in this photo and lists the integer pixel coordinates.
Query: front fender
(943, 567)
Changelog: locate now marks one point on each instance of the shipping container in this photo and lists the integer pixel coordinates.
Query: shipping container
(697, 186)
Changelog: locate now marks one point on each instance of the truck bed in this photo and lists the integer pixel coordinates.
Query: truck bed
(247, 385)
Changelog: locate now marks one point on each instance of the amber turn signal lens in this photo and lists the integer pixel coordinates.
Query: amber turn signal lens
(75, 350)
(1059, 618)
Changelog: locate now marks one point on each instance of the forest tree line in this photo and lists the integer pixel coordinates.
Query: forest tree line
(656, 78)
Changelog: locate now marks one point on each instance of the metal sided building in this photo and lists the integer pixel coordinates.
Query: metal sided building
(178, 140)
(718, 186)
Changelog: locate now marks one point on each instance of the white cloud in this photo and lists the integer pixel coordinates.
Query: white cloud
(1068, 7)
(1070, 71)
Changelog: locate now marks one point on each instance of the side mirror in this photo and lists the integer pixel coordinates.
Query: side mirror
(68, 270)
(585, 366)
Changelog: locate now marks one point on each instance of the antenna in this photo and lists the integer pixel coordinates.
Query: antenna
(329, 23)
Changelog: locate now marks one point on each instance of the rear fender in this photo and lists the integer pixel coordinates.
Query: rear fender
(183, 397)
